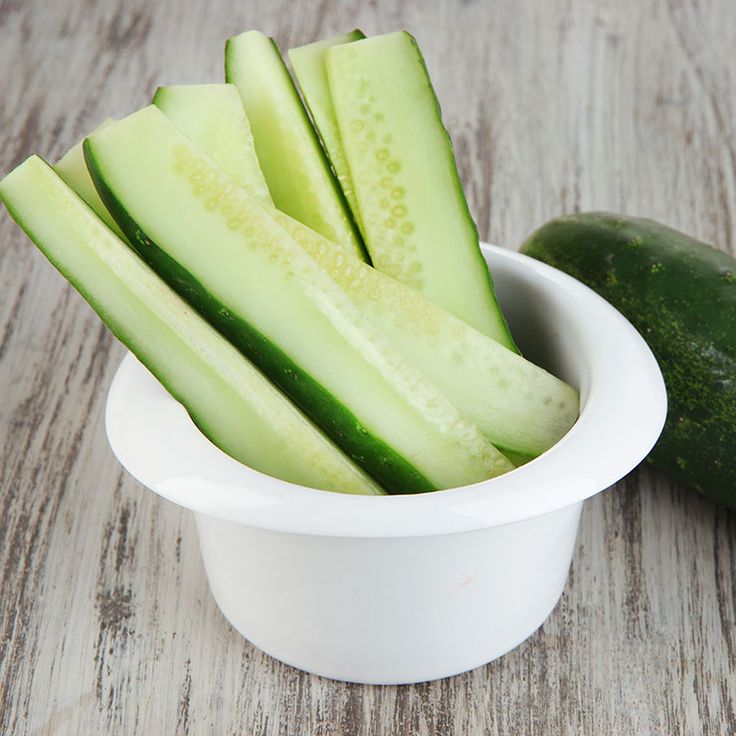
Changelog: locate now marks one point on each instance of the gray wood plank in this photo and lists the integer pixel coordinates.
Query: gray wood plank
(107, 622)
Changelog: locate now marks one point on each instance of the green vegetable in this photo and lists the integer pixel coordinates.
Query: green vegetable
(212, 114)
(308, 63)
(418, 228)
(73, 171)
(230, 401)
(223, 251)
(681, 296)
(297, 171)
(516, 405)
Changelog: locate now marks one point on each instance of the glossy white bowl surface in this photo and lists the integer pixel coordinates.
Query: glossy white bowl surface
(409, 588)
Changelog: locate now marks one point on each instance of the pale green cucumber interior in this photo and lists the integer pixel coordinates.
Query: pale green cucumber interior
(295, 167)
(73, 170)
(515, 404)
(246, 264)
(212, 116)
(308, 63)
(233, 404)
(518, 406)
(417, 225)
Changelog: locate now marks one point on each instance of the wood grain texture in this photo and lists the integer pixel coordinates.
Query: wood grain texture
(107, 625)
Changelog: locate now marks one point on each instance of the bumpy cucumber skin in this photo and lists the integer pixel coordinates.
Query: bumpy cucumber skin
(390, 469)
(680, 294)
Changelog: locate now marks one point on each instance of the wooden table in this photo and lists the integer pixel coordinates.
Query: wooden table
(107, 623)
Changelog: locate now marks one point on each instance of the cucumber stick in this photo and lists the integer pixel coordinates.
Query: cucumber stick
(417, 225)
(515, 404)
(231, 402)
(212, 115)
(297, 172)
(73, 171)
(308, 63)
(518, 406)
(224, 252)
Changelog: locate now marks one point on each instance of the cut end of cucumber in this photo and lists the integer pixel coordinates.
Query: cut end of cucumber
(71, 167)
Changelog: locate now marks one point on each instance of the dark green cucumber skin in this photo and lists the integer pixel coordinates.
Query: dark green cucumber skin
(393, 472)
(680, 294)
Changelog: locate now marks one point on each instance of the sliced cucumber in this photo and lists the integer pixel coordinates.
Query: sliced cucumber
(212, 116)
(518, 406)
(231, 402)
(308, 63)
(297, 172)
(223, 251)
(73, 170)
(515, 404)
(417, 224)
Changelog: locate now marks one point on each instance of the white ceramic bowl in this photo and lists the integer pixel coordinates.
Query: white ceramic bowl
(401, 589)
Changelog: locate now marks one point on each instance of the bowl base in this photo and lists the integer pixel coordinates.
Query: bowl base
(389, 611)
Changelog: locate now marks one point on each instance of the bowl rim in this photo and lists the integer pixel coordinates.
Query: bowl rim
(623, 413)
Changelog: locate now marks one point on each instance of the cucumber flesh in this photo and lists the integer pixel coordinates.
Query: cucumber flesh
(223, 251)
(231, 402)
(417, 225)
(518, 406)
(308, 63)
(212, 116)
(73, 171)
(296, 169)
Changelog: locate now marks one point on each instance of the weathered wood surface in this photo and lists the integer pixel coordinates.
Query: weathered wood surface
(107, 623)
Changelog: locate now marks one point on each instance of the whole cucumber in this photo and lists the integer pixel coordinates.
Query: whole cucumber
(680, 294)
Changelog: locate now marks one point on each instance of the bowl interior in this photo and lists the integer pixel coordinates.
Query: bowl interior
(540, 324)
(558, 322)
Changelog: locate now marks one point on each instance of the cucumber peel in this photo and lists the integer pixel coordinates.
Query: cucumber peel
(680, 293)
